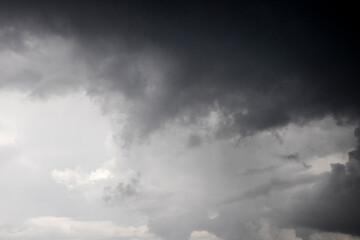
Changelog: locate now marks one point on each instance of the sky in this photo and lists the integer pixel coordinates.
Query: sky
(179, 120)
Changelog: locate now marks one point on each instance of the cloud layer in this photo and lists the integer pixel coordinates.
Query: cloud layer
(222, 119)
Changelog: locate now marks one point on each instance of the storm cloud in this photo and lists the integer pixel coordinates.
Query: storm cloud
(261, 64)
(331, 204)
(230, 112)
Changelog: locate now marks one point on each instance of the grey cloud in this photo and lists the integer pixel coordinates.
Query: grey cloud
(260, 65)
(295, 158)
(11, 39)
(254, 171)
(259, 78)
(292, 157)
(275, 184)
(122, 190)
(332, 203)
(178, 225)
(194, 141)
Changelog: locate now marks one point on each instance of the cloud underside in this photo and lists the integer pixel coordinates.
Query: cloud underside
(331, 203)
(257, 78)
(220, 72)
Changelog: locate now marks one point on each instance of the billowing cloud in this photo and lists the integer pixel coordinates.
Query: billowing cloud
(331, 203)
(257, 78)
(222, 120)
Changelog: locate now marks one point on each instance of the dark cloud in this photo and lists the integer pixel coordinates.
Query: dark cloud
(292, 157)
(262, 64)
(331, 204)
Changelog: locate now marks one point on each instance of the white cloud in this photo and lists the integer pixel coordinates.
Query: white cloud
(202, 235)
(8, 133)
(61, 228)
(75, 178)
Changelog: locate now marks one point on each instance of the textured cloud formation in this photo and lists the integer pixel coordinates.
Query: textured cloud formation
(222, 117)
(332, 203)
(262, 66)
(122, 190)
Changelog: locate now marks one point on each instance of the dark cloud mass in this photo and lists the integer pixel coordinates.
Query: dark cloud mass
(262, 64)
(332, 203)
(255, 65)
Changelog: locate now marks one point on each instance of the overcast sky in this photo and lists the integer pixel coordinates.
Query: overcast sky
(175, 120)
